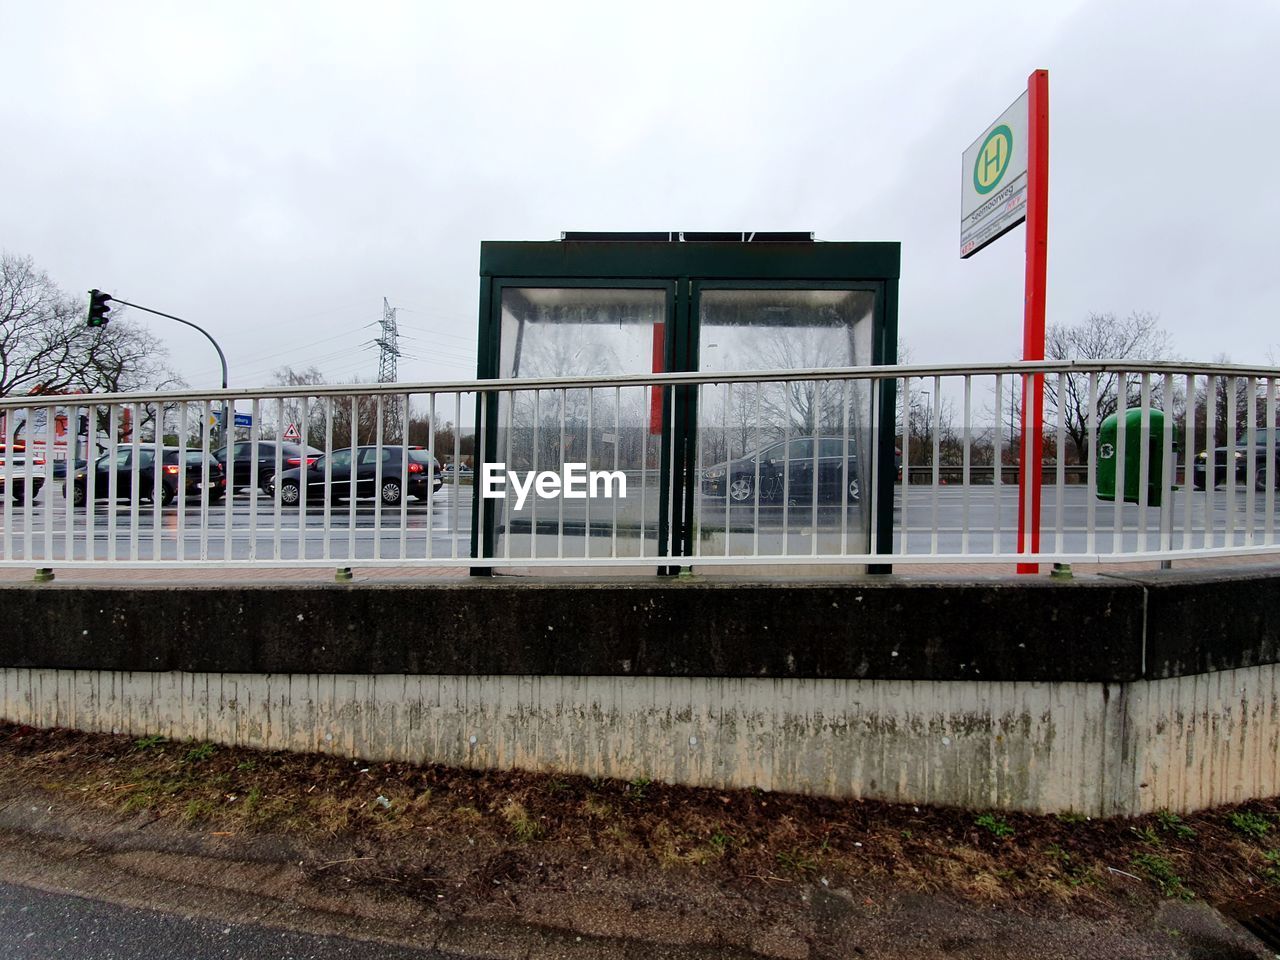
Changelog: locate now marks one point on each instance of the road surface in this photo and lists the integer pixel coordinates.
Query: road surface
(35, 925)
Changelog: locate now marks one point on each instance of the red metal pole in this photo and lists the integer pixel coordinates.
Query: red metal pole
(655, 393)
(1033, 315)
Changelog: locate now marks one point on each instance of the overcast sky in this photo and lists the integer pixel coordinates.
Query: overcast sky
(272, 170)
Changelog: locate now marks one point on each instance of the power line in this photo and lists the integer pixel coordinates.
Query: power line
(262, 362)
(311, 361)
(311, 343)
(434, 334)
(443, 354)
(459, 355)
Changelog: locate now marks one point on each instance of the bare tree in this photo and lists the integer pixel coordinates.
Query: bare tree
(340, 414)
(1231, 396)
(565, 350)
(803, 407)
(1102, 336)
(45, 345)
(354, 416)
(47, 348)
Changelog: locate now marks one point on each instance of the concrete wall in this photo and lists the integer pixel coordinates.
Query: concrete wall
(1107, 695)
(1095, 748)
(1204, 739)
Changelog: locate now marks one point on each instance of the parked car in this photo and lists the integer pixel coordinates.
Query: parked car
(240, 472)
(786, 470)
(16, 462)
(172, 473)
(1264, 473)
(423, 475)
(60, 469)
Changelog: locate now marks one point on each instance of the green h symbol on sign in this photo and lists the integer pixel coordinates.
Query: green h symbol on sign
(993, 159)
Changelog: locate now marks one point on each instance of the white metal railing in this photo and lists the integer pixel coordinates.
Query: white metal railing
(781, 469)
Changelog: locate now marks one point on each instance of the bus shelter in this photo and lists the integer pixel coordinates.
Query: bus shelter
(732, 469)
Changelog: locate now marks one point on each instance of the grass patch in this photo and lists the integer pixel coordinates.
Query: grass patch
(1147, 835)
(200, 753)
(1069, 867)
(1271, 872)
(1170, 822)
(151, 742)
(996, 826)
(1250, 824)
(331, 813)
(619, 839)
(197, 810)
(1160, 870)
(523, 827)
(720, 842)
(671, 848)
(797, 862)
(152, 789)
(1057, 854)
(142, 800)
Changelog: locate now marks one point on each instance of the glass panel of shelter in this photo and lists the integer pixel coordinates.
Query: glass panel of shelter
(568, 331)
(764, 488)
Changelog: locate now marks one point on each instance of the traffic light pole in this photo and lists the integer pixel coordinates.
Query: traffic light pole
(222, 429)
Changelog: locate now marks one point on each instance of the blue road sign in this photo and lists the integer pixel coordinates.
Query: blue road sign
(244, 420)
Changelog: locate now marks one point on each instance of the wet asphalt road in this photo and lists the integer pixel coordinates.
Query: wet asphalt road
(35, 925)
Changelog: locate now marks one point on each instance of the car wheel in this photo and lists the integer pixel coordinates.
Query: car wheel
(290, 493)
(855, 490)
(215, 496)
(167, 495)
(741, 488)
(391, 492)
(1262, 477)
(18, 493)
(79, 495)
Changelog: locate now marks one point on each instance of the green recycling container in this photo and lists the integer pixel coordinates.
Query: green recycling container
(1106, 473)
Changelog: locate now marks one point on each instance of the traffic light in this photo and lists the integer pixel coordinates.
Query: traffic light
(98, 308)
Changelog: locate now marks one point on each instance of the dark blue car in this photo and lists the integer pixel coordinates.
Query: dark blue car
(787, 470)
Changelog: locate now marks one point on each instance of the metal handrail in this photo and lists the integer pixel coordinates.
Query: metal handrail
(878, 372)
(960, 514)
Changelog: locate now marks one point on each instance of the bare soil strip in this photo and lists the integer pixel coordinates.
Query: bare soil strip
(474, 860)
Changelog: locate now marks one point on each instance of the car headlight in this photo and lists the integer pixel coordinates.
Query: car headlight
(1202, 456)
(1239, 454)
(715, 473)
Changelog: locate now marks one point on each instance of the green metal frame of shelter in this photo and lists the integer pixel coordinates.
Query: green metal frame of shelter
(684, 267)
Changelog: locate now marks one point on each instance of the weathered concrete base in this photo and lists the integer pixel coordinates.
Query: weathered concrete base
(1096, 748)
(1105, 695)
